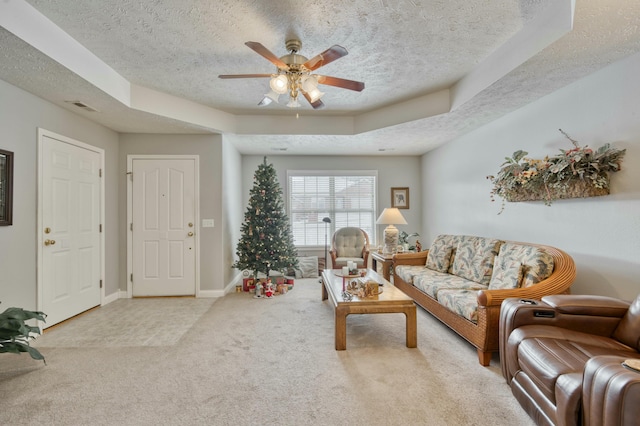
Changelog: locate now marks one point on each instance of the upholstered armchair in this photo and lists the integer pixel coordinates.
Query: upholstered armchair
(349, 244)
(564, 358)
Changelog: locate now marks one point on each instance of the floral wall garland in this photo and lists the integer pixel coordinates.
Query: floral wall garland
(578, 172)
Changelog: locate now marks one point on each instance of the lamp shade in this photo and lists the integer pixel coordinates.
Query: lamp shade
(279, 84)
(391, 216)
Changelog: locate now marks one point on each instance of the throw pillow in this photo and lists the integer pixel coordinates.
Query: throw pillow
(308, 267)
(507, 276)
(538, 264)
(441, 252)
(439, 260)
(474, 258)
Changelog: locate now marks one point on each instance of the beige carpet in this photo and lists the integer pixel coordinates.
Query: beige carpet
(245, 361)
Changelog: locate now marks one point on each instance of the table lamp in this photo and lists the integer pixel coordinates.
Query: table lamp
(391, 216)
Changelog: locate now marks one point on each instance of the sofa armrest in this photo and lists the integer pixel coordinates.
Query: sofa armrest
(610, 392)
(334, 256)
(419, 258)
(518, 312)
(559, 282)
(602, 306)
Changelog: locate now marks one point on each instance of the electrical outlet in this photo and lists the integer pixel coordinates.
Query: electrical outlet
(207, 223)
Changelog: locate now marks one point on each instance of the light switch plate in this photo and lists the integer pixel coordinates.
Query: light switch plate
(207, 223)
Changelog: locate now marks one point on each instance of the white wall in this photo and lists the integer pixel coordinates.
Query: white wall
(601, 233)
(232, 207)
(397, 171)
(209, 148)
(20, 116)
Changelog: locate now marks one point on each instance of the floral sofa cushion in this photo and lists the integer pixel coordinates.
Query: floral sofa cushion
(432, 282)
(506, 275)
(520, 265)
(474, 258)
(407, 272)
(441, 252)
(462, 302)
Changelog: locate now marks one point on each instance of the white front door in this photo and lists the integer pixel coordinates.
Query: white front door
(69, 235)
(163, 227)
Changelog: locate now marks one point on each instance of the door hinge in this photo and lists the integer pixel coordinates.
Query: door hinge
(131, 278)
(100, 172)
(131, 174)
(131, 226)
(100, 227)
(100, 283)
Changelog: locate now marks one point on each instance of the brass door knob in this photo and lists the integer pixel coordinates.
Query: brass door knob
(190, 225)
(190, 234)
(49, 242)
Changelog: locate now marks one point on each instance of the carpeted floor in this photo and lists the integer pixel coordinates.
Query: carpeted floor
(244, 361)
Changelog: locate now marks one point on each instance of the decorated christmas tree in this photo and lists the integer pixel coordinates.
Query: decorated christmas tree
(267, 242)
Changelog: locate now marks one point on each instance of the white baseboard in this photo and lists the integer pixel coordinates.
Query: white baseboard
(202, 293)
(211, 293)
(114, 296)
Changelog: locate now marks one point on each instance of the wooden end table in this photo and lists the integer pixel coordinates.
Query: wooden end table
(391, 300)
(387, 263)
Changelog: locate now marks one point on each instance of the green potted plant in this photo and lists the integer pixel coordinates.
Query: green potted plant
(403, 240)
(15, 333)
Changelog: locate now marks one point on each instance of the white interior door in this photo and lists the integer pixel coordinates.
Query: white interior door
(163, 227)
(70, 242)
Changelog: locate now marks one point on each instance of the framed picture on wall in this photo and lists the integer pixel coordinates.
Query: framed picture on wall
(6, 187)
(400, 198)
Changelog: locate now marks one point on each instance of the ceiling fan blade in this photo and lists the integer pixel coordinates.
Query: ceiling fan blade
(266, 53)
(358, 86)
(243, 75)
(317, 104)
(326, 57)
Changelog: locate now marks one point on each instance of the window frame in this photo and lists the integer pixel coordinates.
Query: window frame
(332, 211)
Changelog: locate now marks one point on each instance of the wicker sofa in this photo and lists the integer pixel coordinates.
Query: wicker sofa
(462, 280)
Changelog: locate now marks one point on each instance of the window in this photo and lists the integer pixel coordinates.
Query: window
(348, 198)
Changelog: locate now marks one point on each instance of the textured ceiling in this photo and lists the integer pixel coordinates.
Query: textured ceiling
(402, 50)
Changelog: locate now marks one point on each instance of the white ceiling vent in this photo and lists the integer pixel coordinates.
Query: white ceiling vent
(82, 105)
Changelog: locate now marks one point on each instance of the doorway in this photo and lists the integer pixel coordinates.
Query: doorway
(70, 217)
(163, 242)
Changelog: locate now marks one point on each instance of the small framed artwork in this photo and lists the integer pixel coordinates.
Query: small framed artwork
(6, 187)
(400, 198)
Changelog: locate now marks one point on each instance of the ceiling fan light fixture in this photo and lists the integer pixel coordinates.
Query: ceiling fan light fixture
(293, 103)
(309, 83)
(269, 98)
(273, 96)
(279, 84)
(293, 75)
(315, 95)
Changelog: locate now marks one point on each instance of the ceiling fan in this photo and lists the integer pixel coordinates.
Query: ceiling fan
(294, 76)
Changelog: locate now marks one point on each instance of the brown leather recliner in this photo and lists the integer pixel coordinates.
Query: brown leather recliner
(563, 358)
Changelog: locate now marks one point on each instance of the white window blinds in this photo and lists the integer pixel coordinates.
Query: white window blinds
(348, 198)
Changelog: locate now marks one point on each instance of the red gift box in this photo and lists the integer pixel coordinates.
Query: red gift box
(248, 284)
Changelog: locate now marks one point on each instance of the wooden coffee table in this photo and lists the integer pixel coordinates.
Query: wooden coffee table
(391, 300)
